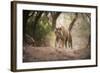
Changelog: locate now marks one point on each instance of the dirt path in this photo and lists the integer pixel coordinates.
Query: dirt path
(32, 54)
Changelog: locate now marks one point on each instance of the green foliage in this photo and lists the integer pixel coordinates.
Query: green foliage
(43, 28)
(29, 26)
(37, 27)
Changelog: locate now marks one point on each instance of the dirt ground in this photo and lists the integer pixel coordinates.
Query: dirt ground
(35, 54)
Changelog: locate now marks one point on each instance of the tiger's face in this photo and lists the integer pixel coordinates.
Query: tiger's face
(58, 32)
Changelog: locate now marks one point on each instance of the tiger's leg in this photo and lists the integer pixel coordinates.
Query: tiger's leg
(62, 43)
(56, 43)
(69, 40)
(66, 43)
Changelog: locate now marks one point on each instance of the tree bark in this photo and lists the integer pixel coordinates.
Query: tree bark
(73, 21)
(25, 18)
(54, 18)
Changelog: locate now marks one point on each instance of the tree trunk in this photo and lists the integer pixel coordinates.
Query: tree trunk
(73, 21)
(54, 18)
(25, 18)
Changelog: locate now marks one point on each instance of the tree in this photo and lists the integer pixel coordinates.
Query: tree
(25, 18)
(54, 18)
(34, 24)
(73, 21)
